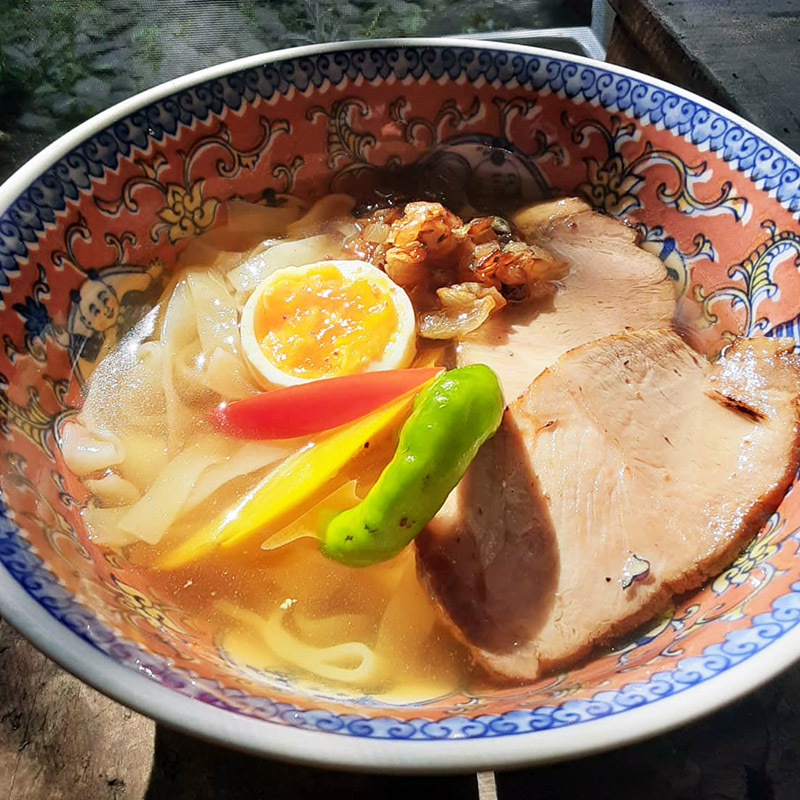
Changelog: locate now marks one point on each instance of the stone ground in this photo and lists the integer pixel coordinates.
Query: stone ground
(61, 61)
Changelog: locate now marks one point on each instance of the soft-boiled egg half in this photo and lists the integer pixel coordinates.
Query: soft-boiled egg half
(326, 319)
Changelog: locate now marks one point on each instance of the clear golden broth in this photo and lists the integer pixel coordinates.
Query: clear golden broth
(312, 603)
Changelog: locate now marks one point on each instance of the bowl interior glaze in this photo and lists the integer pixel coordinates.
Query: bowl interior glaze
(92, 228)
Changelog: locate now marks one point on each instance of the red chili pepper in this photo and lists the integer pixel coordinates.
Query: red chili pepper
(309, 408)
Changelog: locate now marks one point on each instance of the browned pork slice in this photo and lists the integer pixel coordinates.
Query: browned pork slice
(630, 456)
(612, 285)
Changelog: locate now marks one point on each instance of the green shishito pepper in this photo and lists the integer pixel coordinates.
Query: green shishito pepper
(450, 420)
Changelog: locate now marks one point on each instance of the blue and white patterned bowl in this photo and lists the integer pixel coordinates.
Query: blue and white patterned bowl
(110, 205)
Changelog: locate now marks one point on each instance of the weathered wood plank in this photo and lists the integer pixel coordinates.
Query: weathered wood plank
(747, 751)
(61, 740)
(627, 52)
(740, 53)
(187, 769)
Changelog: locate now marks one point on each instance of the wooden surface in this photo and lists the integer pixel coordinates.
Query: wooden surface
(743, 54)
(60, 740)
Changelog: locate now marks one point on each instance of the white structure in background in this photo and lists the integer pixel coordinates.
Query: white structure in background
(584, 40)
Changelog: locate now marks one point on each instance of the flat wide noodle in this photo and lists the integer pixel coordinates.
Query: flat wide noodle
(150, 517)
(228, 376)
(215, 311)
(142, 430)
(348, 662)
(86, 451)
(323, 212)
(145, 457)
(297, 253)
(248, 458)
(103, 526)
(113, 490)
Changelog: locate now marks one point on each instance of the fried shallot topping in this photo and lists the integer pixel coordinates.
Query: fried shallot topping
(456, 273)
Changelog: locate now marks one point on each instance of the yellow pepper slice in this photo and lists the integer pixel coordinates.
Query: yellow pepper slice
(308, 524)
(288, 487)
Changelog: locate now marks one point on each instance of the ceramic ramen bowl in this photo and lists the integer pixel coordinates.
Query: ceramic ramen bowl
(92, 225)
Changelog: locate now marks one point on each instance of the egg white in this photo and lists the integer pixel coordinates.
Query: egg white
(398, 353)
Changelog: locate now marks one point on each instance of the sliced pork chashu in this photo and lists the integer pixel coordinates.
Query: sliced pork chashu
(612, 285)
(629, 451)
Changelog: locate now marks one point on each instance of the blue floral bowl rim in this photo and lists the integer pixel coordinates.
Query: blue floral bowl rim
(317, 747)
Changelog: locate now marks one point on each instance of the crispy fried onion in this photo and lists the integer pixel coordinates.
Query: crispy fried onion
(434, 255)
(426, 243)
(463, 308)
(521, 271)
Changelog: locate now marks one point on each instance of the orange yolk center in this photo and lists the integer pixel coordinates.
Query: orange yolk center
(324, 323)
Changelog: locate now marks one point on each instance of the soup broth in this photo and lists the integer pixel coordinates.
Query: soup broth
(157, 472)
(217, 461)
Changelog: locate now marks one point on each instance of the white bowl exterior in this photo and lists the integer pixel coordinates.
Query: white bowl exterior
(315, 747)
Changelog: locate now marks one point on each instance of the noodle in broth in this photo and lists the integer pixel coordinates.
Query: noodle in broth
(156, 470)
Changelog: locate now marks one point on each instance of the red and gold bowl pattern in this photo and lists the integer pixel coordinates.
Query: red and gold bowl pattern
(91, 229)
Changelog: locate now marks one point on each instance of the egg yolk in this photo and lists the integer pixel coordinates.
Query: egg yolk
(322, 323)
